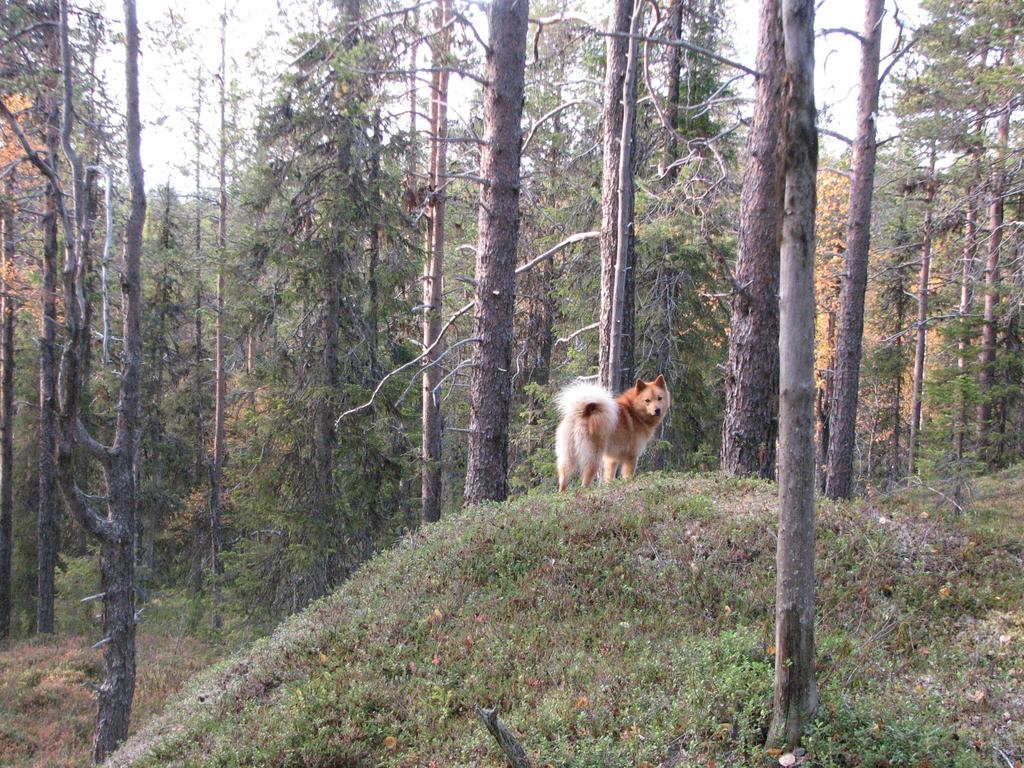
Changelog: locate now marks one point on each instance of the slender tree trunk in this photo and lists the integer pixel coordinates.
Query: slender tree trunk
(47, 530)
(498, 236)
(7, 214)
(616, 186)
(846, 376)
(796, 691)
(922, 321)
(987, 359)
(896, 465)
(970, 258)
(675, 59)
(201, 471)
(752, 371)
(219, 378)
(433, 285)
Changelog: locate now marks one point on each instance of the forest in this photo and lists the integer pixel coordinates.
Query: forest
(288, 293)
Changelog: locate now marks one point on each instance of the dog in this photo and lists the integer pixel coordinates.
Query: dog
(595, 427)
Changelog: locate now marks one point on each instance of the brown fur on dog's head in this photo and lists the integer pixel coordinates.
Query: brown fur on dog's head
(648, 400)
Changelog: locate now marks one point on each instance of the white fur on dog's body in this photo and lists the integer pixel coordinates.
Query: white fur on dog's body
(580, 441)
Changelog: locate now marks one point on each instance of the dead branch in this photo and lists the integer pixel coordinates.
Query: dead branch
(515, 755)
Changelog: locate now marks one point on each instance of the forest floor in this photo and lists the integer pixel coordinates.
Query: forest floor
(625, 626)
(47, 706)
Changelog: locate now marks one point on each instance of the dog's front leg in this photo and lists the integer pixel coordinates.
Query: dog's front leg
(628, 468)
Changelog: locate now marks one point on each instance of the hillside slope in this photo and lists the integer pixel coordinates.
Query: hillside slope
(630, 626)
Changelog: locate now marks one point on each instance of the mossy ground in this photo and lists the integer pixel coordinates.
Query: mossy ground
(632, 625)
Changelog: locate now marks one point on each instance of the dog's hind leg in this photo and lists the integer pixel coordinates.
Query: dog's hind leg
(611, 466)
(628, 469)
(564, 473)
(589, 472)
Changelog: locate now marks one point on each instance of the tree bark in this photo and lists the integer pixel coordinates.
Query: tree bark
(987, 360)
(616, 187)
(796, 693)
(433, 280)
(846, 375)
(498, 227)
(970, 259)
(922, 321)
(752, 370)
(219, 378)
(115, 530)
(47, 530)
(7, 215)
(675, 59)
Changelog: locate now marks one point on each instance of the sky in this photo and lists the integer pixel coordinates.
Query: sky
(255, 43)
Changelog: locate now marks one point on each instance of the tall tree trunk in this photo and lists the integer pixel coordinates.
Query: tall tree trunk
(970, 258)
(987, 361)
(675, 60)
(846, 376)
(617, 191)
(498, 227)
(433, 285)
(200, 468)
(7, 214)
(796, 690)
(752, 370)
(219, 378)
(115, 530)
(922, 320)
(47, 529)
(896, 465)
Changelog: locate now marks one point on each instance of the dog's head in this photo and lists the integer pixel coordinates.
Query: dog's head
(651, 398)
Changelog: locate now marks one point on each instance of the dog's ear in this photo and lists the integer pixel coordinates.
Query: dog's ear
(640, 384)
(660, 381)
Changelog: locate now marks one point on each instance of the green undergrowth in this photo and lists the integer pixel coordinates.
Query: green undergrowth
(627, 626)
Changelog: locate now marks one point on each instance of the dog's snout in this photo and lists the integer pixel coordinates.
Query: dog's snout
(657, 411)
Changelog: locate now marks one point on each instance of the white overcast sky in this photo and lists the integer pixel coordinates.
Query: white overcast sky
(168, 81)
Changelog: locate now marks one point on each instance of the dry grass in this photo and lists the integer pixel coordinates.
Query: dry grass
(47, 701)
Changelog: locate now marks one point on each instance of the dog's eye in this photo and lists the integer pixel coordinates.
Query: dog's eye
(659, 398)
(647, 400)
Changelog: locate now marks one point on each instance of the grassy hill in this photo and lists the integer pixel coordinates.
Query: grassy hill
(632, 626)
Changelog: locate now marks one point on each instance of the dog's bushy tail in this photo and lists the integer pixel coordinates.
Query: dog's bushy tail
(590, 409)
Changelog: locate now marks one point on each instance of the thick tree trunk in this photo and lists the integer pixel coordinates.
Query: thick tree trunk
(796, 692)
(922, 322)
(7, 214)
(752, 370)
(846, 376)
(498, 227)
(987, 361)
(616, 186)
(118, 559)
(117, 580)
(433, 281)
(47, 530)
(115, 530)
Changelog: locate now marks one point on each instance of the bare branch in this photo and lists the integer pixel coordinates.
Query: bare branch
(646, 38)
(579, 236)
(515, 755)
(551, 113)
(577, 332)
(842, 31)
